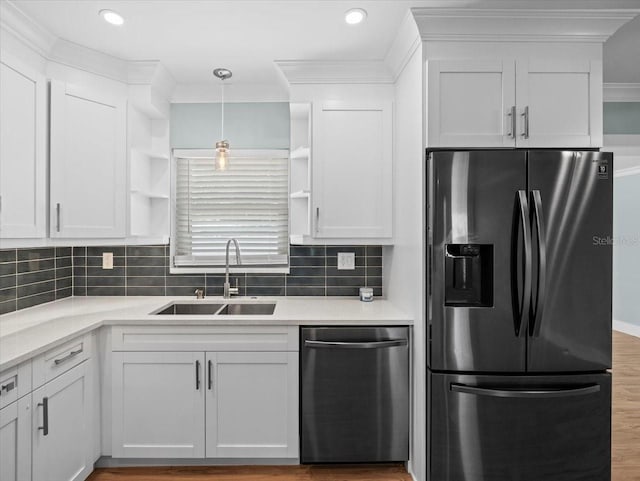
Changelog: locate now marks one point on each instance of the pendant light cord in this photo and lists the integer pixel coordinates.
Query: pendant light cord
(222, 111)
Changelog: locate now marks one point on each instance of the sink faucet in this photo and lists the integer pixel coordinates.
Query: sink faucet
(228, 290)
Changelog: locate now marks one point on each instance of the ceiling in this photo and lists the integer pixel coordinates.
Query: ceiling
(191, 37)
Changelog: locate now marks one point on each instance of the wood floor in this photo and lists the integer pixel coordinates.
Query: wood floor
(625, 443)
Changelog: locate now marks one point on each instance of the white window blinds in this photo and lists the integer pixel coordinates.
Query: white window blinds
(249, 202)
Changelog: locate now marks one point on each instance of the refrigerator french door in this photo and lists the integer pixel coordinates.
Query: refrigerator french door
(519, 309)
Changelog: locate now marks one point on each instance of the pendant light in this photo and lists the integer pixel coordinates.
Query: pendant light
(222, 146)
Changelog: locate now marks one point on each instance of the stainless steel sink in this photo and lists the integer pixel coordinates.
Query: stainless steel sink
(191, 309)
(208, 309)
(247, 309)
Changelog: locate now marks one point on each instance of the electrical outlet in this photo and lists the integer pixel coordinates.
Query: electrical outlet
(107, 260)
(346, 260)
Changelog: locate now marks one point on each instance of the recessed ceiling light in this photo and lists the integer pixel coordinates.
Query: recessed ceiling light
(112, 17)
(355, 16)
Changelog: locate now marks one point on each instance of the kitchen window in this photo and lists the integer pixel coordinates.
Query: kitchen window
(249, 201)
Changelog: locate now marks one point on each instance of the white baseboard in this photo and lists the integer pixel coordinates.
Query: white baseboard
(627, 328)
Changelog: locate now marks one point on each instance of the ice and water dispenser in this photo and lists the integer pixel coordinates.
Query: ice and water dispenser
(469, 275)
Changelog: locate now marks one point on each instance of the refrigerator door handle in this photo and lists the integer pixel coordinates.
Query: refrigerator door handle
(523, 301)
(536, 318)
(526, 393)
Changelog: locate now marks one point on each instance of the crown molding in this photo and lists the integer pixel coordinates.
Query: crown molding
(404, 45)
(621, 92)
(29, 32)
(335, 71)
(520, 25)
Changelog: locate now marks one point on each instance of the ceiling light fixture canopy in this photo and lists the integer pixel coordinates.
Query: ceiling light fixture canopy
(222, 146)
(111, 17)
(355, 16)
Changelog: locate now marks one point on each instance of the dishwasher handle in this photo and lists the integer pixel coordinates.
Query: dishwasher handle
(355, 345)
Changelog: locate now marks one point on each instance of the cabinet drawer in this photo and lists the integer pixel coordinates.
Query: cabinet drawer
(60, 359)
(205, 338)
(15, 383)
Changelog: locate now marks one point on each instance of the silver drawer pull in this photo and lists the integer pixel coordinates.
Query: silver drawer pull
(10, 386)
(67, 357)
(355, 345)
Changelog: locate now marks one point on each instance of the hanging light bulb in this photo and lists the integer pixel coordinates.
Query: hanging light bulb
(222, 146)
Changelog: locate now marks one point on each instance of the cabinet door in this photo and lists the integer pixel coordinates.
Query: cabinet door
(252, 405)
(471, 103)
(88, 164)
(352, 170)
(158, 404)
(564, 102)
(23, 117)
(15, 441)
(61, 427)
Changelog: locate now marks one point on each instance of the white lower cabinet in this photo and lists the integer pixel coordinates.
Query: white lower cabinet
(61, 427)
(197, 404)
(158, 405)
(15, 440)
(252, 405)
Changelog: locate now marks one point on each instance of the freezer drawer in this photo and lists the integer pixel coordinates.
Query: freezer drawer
(354, 394)
(520, 428)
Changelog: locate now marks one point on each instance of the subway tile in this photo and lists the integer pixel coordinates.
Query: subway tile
(332, 261)
(7, 281)
(79, 290)
(374, 281)
(305, 291)
(31, 301)
(343, 291)
(79, 252)
(185, 280)
(181, 291)
(7, 306)
(96, 251)
(265, 291)
(332, 251)
(377, 291)
(374, 251)
(307, 251)
(64, 282)
(63, 262)
(145, 281)
(145, 251)
(36, 265)
(335, 272)
(97, 262)
(146, 261)
(305, 281)
(64, 272)
(374, 271)
(34, 254)
(145, 291)
(307, 261)
(38, 276)
(145, 271)
(105, 282)
(79, 271)
(100, 272)
(105, 291)
(259, 280)
(374, 261)
(8, 268)
(62, 293)
(346, 281)
(37, 288)
(8, 255)
(63, 251)
(307, 272)
(8, 294)
(216, 279)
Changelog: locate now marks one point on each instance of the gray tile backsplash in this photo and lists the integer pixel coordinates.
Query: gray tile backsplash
(33, 276)
(29, 277)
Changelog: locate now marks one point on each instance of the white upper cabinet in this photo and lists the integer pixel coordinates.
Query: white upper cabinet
(559, 103)
(88, 164)
(352, 169)
(23, 116)
(523, 102)
(470, 103)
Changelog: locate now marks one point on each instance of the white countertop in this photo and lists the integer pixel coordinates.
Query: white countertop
(28, 332)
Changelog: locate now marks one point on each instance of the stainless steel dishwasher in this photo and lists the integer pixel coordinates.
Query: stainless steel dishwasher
(354, 394)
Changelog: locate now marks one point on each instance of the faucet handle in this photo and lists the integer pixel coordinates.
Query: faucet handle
(199, 293)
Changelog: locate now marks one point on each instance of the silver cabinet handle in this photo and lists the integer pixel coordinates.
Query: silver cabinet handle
(45, 416)
(355, 345)
(58, 217)
(317, 219)
(512, 115)
(197, 375)
(525, 114)
(10, 386)
(209, 375)
(67, 357)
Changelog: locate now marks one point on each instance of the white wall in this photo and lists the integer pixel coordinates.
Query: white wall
(404, 262)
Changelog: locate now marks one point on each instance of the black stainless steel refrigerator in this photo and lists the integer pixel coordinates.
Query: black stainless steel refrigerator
(519, 315)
